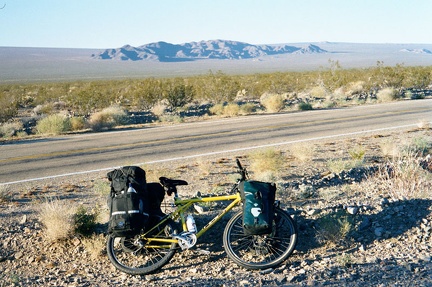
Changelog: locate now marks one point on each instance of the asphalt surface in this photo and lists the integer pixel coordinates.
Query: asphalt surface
(29, 160)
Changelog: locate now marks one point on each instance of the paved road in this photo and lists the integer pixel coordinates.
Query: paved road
(64, 155)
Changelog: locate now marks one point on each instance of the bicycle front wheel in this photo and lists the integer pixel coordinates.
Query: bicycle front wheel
(137, 257)
(260, 251)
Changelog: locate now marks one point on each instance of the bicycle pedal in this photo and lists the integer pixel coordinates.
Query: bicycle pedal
(186, 240)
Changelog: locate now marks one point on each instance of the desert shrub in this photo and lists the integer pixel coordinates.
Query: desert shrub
(57, 217)
(304, 106)
(217, 109)
(418, 146)
(334, 227)
(387, 95)
(77, 123)
(107, 118)
(402, 178)
(231, 110)
(85, 220)
(171, 119)
(267, 164)
(247, 109)
(10, 129)
(53, 124)
(179, 94)
(45, 109)
(345, 260)
(9, 106)
(273, 103)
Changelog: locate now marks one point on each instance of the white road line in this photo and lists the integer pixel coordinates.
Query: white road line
(212, 153)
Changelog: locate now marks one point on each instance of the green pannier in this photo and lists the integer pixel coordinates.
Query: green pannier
(258, 206)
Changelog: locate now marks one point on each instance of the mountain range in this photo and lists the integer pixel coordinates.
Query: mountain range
(213, 49)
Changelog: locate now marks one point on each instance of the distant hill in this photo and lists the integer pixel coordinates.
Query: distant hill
(213, 49)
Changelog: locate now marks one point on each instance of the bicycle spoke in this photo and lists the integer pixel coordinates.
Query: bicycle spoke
(260, 251)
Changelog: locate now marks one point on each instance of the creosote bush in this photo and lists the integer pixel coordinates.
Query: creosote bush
(54, 124)
(85, 220)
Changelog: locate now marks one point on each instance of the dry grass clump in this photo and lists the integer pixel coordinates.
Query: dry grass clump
(247, 109)
(334, 228)
(273, 103)
(357, 153)
(318, 92)
(387, 95)
(159, 109)
(6, 193)
(424, 124)
(95, 245)
(204, 166)
(266, 165)
(403, 178)
(229, 110)
(338, 165)
(217, 109)
(107, 118)
(57, 217)
(53, 124)
(304, 152)
(355, 87)
(389, 148)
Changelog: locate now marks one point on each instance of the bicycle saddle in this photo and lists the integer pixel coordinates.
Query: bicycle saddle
(171, 184)
(167, 182)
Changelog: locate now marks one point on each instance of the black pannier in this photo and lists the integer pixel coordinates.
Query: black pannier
(154, 198)
(128, 210)
(121, 178)
(258, 206)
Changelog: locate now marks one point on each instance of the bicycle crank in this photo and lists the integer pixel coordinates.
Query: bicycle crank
(186, 240)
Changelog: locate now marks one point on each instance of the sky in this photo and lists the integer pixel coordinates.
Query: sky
(104, 24)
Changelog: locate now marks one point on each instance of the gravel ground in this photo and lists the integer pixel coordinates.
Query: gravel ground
(389, 243)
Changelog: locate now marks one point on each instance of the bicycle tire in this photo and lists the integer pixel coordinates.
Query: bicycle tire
(260, 251)
(130, 255)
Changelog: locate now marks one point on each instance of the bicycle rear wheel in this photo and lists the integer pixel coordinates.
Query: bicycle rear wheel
(134, 256)
(260, 251)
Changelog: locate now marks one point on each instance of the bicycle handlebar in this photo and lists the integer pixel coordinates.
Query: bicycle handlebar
(170, 185)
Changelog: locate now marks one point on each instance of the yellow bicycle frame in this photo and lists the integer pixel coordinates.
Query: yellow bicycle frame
(182, 206)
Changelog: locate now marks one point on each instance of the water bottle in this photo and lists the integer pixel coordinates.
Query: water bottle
(131, 189)
(190, 223)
